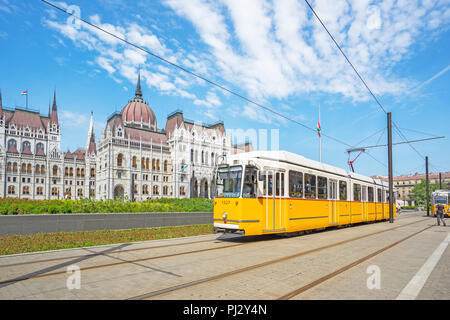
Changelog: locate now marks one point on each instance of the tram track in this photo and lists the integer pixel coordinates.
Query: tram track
(48, 274)
(331, 275)
(106, 254)
(34, 275)
(267, 263)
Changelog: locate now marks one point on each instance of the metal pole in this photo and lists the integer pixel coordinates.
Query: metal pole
(428, 186)
(440, 181)
(391, 180)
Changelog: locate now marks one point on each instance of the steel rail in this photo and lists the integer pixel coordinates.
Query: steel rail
(263, 264)
(345, 268)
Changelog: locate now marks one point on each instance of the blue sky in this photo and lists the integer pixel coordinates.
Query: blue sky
(273, 52)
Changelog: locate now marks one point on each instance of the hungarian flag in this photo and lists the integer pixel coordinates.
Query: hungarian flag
(24, 93)
(318, 128)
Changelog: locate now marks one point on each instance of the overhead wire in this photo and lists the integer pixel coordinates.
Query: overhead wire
(199, 76)
(362, 80)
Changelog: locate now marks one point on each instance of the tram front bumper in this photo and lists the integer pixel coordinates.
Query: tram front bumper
(225, 227)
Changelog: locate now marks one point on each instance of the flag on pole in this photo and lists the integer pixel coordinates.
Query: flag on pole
(24, 92)
(318, 128)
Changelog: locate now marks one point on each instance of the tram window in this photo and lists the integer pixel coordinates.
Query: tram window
(383, 195)
(295, 184)
(342, 190)
(379, 195)
(370, 193)
(282, 185)
(249, 190)
(387, 196)
(310, 186)
(356, 192)
(322, 187)
(364, 193)
(270, 184)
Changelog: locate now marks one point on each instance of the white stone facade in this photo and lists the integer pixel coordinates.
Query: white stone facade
(133, 158)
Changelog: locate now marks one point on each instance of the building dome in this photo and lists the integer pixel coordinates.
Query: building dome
(137, 112)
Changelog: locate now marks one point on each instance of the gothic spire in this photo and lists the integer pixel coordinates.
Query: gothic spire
(138, 88)
(90, 143)
(54, 109)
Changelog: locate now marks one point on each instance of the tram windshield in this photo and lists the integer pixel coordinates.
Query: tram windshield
(440, 199)
(230, 178)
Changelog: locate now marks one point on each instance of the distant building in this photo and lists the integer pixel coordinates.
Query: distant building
(133, 159)
(403, 185)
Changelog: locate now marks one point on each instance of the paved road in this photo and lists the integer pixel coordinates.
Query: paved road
(140, 268)
(45, 223)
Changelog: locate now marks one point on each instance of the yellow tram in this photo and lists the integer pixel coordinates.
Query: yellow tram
(443, 197)
(267, 192)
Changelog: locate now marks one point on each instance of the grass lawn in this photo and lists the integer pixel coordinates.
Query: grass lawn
(14, 244)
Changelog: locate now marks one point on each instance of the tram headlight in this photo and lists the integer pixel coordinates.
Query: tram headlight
(224, 215)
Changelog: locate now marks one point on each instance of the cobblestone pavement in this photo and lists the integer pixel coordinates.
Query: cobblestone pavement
(139, 268)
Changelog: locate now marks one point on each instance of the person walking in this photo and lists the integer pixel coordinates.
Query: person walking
(440, 214)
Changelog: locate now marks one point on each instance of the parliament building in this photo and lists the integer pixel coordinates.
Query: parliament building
(134, 158)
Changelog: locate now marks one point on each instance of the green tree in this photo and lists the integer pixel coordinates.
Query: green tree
(419, 194)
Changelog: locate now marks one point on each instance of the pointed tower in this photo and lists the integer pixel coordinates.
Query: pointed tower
(138, 88)
(49, 104)
(1, 104)
(91, 147)
(54, 110)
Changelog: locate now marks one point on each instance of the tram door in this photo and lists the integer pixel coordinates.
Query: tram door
(364, 204)
(333, 204)
(275, 205)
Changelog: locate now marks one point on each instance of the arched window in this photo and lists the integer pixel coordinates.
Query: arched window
(26, 144)
(147, 163)
(26, 190)
(15, 167)
(192, 155)
(143, 163)
(119, 160)
(82, 173)
(80, 192)
(78, 172)
(157, 165)
(68, 193)
(11, 190)
(71, 172)
(24, 168)
(203, 157)
(92, 172)
(165, 165)
(42, 169)
(55, 170)
(155, 190)
(212, 158)
(153, 164)
(12, 142)
(66, 171)
(29, 168)
(37, 169)
(39, 191)
(134, 162)
(55, 191)
(9, 167)
(145, 189)
(39, 146)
